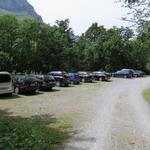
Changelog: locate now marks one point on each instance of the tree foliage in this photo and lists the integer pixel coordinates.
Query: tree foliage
(139, 11)
(29, 46)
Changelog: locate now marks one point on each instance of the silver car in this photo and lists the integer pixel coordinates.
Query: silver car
(6, 86)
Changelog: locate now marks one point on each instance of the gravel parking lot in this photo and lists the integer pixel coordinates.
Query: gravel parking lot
(72, 102)
(105, 115)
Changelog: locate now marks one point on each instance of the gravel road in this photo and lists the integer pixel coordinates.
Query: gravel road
(106, 115)
(120, 120)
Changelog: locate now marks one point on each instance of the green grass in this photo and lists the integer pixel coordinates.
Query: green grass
(31, 133)
(146, 94)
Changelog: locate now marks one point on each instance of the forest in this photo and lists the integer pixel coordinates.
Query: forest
(29, 46)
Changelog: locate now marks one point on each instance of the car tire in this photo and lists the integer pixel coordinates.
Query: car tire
(58, 83)
(102, 79)
(16, 90)
(125, 76)
(83, 80)
(9, 94)
(66, 85)
(37, 91)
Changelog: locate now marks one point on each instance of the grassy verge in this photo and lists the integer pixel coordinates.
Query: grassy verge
(146, 94)
(31, 133)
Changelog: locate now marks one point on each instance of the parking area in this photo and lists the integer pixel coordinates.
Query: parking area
(73, 101)
(97, 111)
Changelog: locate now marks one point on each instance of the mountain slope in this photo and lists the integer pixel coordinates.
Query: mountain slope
(18, 8)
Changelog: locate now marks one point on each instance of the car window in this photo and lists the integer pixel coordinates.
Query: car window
(125, 71)
(56, 74)
(30, 79)
(5, 78)
(41, 78)
(49, 78)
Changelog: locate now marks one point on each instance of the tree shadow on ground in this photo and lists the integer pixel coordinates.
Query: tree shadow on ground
(32, 94)
(35, 132)
(69, 86)
(9, 97)
(108, 81)
(79, 141)
(50, 91)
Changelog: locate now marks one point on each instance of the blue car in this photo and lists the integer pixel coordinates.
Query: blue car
(74, 78)
(124, 73)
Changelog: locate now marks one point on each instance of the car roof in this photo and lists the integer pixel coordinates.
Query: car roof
(82, 72)
(4, 72)
(39, 75)
(24, 76)
(57, 72)
(98, 72)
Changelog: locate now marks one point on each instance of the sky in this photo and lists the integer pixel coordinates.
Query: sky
(81, 13)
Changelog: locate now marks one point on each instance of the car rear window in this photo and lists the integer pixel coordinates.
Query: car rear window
(30, 79)
(49, 78)
(5, 78)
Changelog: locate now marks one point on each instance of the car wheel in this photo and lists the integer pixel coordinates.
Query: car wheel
(50, 88)
(125, 76)
(66, 85)
(9, 94)
(58, 83)
(83, 80)
(16, 90)
(102, 78)
(37, 91)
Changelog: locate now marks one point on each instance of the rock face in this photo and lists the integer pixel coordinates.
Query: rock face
(19, 8)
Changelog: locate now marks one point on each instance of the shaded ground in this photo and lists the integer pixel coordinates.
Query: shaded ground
(70, 103)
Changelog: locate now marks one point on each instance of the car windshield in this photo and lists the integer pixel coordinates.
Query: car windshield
(26, 78)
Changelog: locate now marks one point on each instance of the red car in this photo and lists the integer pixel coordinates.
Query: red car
(25, 84)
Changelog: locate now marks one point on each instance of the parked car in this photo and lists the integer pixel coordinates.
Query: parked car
(61, 78)
(124, 73)
(139, 73)
(46, 82)
(74, 78)
(101, 75)
(85, 76)
(25, 84)
(135, 74)
(6, 86)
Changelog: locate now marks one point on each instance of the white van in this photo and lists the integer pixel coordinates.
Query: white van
(6, 86)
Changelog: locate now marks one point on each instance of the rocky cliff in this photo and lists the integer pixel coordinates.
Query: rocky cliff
(18, 8)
